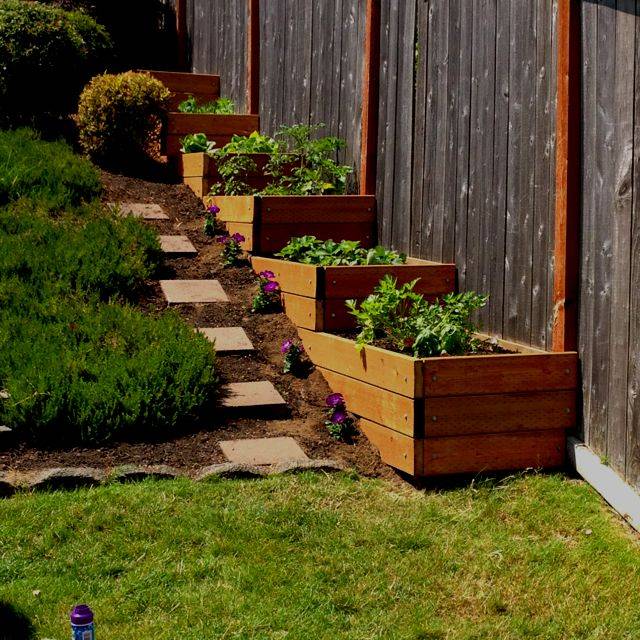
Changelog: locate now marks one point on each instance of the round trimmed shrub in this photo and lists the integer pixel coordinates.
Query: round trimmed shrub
(46, 56)
(119, 117)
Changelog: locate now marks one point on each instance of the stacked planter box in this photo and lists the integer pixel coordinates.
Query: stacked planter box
(449, 415)
(314, 297)
(219, 129)
(269, 222)
(202, 86)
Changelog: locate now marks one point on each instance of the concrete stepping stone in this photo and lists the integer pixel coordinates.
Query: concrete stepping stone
(177, 245)
(263, 451)
(227, 340)
(140, 210)
(254, 396)
(193, 291)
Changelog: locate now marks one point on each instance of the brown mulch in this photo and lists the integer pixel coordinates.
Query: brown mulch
(305, 397)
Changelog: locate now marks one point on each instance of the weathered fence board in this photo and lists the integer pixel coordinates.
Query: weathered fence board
(467, 148)
(217, 43)
(610, 247)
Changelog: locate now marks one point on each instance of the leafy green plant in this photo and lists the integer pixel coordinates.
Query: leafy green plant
(253, 143)
(197, 143)
(316, 172)
(301, 163)
(408, 322)
(310, 250)
(119, 118)
(46, 56)
(219, 107)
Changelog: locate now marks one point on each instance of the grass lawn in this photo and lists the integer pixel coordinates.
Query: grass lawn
(322, 557)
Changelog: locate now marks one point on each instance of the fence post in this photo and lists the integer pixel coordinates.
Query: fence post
(253, 56)
(181, 32)
(370, 95)
(567, 205)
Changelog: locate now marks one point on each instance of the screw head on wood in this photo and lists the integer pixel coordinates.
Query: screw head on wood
(434, 418)
(434, 378)
(567, 410)
(567, 371)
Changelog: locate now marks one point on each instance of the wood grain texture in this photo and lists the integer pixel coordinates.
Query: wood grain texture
(494, 452)
(396, 449)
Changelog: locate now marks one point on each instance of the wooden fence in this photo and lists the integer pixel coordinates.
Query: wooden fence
(466, 152)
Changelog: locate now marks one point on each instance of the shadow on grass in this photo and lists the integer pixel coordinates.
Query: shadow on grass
(14, 625)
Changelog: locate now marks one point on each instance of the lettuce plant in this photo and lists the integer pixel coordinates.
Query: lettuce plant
(329, 253)
(219, 107)
(197, 143)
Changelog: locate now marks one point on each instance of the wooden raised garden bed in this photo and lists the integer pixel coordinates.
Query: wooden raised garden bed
(269, 222)
(218, 128)
(202, 86)
(199, 171)
(314, 297)
(449, 415)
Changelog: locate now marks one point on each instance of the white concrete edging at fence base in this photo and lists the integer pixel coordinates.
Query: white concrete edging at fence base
(605, 481)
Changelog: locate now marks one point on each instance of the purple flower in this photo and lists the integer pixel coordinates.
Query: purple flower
(335, 400)
(271, 287)
(339, 416)
(286, 346)
(223, 239)
(267, 275)
(213, 209)
(238, 237)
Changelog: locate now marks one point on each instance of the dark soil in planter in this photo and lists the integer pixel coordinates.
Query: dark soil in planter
(305, 397)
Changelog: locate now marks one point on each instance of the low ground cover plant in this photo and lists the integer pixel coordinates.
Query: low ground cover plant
(329, 253)
(48, 172)
(119, 118)
(403, 320)
(219, 107)
(301, 163)
(80, 363)
(46, 56)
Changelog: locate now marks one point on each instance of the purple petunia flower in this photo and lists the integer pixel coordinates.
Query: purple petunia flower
(335, 400)
(238, 237)
(213, 209)
(223, 239)
(271, 287)
(286, 346)
(339, 416)
(267, 275)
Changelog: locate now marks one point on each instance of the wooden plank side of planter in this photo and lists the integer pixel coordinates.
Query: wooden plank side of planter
(381, 368)
(199, 186)
(307, 209)
(492, 374)
(245, 229)
(233, 208)
(510, 412)
(305, 313)
(394, 411)
(211, 124)
(204, 87)
(493, 452)
(193, 165)
(273, 237)
(348, 282)
(396, 449)
(293, 277)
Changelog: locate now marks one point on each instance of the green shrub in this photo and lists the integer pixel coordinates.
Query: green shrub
(48, 172)
(92, 372)
(47, 55)
(119, 117)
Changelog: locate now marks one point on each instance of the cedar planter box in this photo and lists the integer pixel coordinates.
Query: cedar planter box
(220, 129)
(199, 171)
(314, 297)
(203, 86)
(269, 222)
(450, 415)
